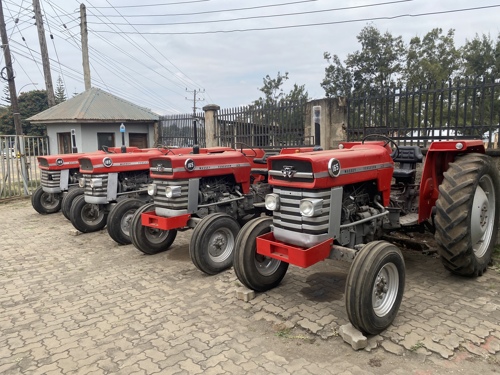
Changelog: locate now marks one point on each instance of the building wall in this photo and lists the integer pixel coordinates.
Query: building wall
(86, 134)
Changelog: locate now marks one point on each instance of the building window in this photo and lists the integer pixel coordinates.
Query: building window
(105, 139)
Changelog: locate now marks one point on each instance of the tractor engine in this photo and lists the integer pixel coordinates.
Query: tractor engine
(358, 204)
(135, 180)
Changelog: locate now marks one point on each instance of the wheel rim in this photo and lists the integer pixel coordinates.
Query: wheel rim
(483, 216)
(49, 201)
(125, 222)
(385, 289)
(92, 214)
(155, 236)
(266, 266)
(221, 245)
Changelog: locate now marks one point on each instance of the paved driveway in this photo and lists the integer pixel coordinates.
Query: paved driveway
(84, 305)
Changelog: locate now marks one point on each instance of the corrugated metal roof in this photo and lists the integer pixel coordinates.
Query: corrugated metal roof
(94, 105)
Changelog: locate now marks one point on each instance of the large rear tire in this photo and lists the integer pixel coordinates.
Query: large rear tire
(45, 203)
(467, 213)
(119, 219)
(149, 240)
(87, 217)
(375, 286)
(212, 243)
(256, 271)
(68, 199)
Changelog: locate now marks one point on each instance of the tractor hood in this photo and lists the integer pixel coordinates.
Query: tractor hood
(118, 162)
(327, 169)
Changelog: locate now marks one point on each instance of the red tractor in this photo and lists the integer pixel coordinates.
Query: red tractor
(338, 204)
(59, 184)
(214, 193)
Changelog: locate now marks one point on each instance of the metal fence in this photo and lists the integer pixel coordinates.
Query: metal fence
(178, 130)
(19, 172)
(462, 108)
(269, 126)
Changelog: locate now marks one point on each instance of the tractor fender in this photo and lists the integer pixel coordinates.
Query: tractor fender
(438, 157)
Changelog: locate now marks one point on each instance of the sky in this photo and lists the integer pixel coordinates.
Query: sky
(156, 53)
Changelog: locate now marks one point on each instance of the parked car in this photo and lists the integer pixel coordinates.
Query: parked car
(432, 135)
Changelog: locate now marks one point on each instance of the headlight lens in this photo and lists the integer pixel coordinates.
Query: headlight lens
(272, 202)
(311, 207)
(152, 189)
(95, 182)
(81, 182)
(173, 191)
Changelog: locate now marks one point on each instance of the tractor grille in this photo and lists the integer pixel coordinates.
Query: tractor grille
(288, 216)
(101, 191)
(301, 170)
(51, 179)
(178, 203)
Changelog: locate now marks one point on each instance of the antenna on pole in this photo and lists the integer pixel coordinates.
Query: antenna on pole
(196, 148)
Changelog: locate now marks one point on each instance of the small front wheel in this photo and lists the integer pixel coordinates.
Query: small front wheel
(146, 239)
(119, 220)
(212, 243)
(256, 271)
(375, 286)
(45, 203)
(68, 199)
(87, 217)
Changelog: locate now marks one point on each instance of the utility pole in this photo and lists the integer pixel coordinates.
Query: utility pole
(45, 55)
(7, 73)
(196, 148)
(84, 33)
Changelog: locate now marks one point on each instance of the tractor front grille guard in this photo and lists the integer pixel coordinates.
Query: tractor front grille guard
(51, 181)
(96, 185)
(175, 203)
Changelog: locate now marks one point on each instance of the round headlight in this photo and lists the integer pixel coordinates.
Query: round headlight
(272, 202)
(168, 192)
(306, 208)
(152, 189)
(81, 182)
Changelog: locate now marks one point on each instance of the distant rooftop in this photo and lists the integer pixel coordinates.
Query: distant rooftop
(94, 105)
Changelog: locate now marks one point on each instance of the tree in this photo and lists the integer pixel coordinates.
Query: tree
(433, 58)
(30, 103)
(274, 93)
(377, 65)
(338, 79)
(481, 56)
(60, 94)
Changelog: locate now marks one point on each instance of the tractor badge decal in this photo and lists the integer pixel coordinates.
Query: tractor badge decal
(107, 162)
(189, 165)
(59, 162)
(288, 171)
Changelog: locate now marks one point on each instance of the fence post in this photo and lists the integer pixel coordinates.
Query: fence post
(332, 121)
(210, 124)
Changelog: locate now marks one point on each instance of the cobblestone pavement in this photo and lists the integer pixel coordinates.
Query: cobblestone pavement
(84, 305)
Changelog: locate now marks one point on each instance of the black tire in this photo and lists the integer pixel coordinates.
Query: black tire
(212, 243)
(467, 212)
(45, 203)
(68, 199)
(256, 271)
(87, 217)
(119, 219)
(375, 286)
(149, 240)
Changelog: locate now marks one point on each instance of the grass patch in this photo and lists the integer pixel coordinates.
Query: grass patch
(417, 346)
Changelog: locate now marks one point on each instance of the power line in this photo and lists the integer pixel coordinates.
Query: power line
(261, 16)
(309, 24)
(220, 10)
(151, 5)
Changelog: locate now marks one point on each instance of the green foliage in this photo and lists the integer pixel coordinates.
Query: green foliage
(433, 58)
(30, 103)
(338, 79)
(274, 93)
(481, 56)
(60, 94)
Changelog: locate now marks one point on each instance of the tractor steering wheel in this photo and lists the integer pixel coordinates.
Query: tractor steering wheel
(394, 153)
(242, 144)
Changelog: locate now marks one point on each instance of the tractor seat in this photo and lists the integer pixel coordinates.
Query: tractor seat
(407, 158)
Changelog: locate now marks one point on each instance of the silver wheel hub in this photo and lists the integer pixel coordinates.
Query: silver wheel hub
(221, 245)
(482, 216)
(385, 289)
